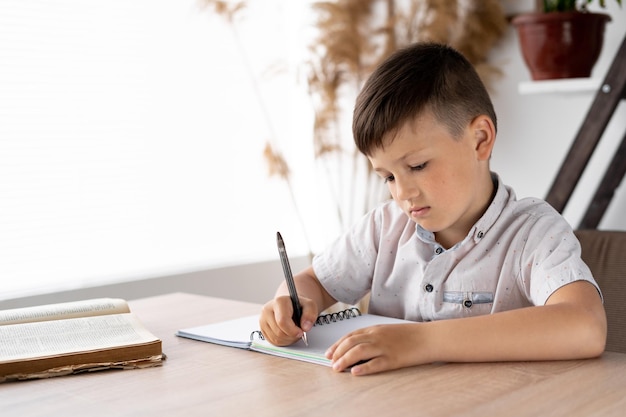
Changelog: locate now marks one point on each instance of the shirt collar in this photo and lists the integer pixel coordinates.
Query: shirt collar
(488, 219)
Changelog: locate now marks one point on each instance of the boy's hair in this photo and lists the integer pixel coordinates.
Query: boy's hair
(423, 76)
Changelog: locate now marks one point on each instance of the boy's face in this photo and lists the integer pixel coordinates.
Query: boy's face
(440, 182)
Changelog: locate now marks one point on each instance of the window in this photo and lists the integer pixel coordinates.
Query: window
(131, 140)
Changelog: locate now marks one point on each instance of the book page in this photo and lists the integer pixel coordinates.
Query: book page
(56, 337)
(85, 308)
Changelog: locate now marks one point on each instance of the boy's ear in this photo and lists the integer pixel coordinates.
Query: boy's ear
(484, 133)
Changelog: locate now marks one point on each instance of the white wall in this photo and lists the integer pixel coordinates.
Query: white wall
(536, 131)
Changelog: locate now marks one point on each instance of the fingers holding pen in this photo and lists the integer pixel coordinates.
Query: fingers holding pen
(277, 323)
(275, 328)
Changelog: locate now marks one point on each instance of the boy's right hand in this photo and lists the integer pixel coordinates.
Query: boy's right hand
(277, 324)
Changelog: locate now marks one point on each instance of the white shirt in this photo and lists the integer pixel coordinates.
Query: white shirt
(516, 255)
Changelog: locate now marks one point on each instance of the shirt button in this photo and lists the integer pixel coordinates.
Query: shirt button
(429, 288)
(468, 303)
(480, 235)
(439, 250)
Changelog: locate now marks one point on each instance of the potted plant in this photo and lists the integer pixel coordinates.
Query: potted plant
(563, 40)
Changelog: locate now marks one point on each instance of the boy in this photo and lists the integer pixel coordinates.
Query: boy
(484, 276)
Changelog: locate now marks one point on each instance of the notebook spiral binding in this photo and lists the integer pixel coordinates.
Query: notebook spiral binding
(321, 320)
(338, 316)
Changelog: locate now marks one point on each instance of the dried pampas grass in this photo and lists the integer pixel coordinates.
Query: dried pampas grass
(226, 9)
(276, 163)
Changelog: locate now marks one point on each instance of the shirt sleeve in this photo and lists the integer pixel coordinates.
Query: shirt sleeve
(346, 267)
(551, 258)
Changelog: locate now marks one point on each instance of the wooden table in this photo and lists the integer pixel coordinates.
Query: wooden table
(201, 379)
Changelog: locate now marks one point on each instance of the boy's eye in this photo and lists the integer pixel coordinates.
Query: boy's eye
(419, 167)
(390, 178)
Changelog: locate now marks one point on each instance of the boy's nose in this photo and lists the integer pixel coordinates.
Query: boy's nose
(406, 189)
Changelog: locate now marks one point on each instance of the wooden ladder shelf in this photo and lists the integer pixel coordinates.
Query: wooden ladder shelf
(608, 96)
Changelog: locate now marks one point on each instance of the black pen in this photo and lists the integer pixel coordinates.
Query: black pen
(291, 285)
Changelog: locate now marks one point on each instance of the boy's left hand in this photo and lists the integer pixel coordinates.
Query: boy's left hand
(375, 349)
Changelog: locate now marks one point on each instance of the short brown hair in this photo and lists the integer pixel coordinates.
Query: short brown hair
(423, 76)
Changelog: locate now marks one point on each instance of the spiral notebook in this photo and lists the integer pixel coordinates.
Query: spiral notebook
(243, 333)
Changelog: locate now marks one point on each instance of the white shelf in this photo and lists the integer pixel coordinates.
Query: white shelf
(569, 85)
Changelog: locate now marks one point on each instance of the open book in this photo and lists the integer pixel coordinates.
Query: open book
(66, 338)
(243, 333)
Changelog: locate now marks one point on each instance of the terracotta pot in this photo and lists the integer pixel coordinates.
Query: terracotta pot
(560, 44)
